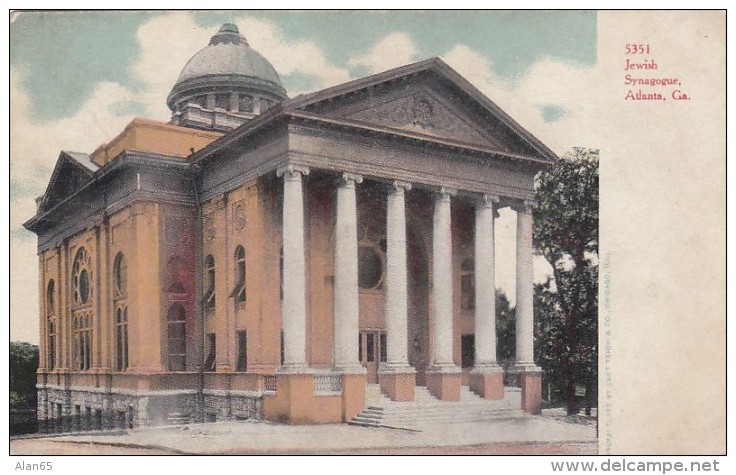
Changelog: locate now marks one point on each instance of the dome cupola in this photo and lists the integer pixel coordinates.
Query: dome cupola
(226, 83)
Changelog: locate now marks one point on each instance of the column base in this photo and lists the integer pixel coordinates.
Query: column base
(444, 382)
(294, 401)
(294, 368)
(397, 383)
(530, 380)
(487, 382)
(356, 368)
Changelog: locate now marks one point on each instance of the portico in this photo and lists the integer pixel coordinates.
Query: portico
(397, 377)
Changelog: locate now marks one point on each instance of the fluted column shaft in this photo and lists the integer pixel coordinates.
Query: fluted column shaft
(485, 283)
(294, 316)
(442, 280)
(524, 287)
(396, 274)
(346, 277)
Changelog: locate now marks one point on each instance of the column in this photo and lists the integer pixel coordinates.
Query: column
(443, 377)
(396, 377)
(294, 302)
(529, 374)
(486, 378)
(524, 287)
(346, 277)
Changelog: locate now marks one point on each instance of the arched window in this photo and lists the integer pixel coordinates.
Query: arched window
(467, 284)
(209, 294)
(82, 278)
(239, 290)
(121, 338)
(177, 337)
(50, 297)
(120, 275)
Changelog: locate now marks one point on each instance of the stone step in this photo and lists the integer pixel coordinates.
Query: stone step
(454, 417)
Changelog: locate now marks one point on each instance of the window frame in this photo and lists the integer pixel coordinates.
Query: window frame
(239, 291)
(209, 297)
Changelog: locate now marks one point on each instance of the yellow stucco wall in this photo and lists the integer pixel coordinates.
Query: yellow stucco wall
(146, 135)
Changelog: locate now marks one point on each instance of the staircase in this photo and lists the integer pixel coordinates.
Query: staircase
(380, 411)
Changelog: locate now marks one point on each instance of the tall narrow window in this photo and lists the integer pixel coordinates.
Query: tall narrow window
(177, 335)
(281, 272)
(121, 338)
(51, 324)
(239, 290)
(82, 293)
(209, 295)
(370, 346)
(209, 363)
(82, 342)
(383, 347)
(50, 297)
(120, 287)
(467, 284)
(282, 347)
(51, 342)
(360, 348)
(120, 275)
(242, 351)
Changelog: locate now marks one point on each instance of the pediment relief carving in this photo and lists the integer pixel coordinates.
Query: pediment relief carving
(424, 113)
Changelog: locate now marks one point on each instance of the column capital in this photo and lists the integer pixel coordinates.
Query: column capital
(524, 206)
(487, 201)
(397, 186)
(444, 193)
(289, 172)
(349, 179)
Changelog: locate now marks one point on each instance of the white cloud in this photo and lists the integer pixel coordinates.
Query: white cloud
(304, 57)
(166, 43)
(547, 82)
(394, 50)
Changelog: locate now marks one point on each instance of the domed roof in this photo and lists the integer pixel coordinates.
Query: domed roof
(228, 57)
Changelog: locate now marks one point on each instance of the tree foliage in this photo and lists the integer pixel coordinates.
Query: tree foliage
(566, 234)
(23, 366)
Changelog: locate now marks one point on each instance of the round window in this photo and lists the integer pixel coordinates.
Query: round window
(370, 268)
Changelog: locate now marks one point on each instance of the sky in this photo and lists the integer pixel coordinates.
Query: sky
(77, 78)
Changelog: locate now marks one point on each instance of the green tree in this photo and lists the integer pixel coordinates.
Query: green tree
(566, 234)
(23, 366)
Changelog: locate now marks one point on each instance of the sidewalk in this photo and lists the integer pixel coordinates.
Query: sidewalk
(531, 434)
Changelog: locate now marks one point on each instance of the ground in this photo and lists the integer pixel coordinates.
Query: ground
(552, 433)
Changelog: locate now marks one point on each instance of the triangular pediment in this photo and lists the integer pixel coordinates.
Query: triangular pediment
(71, 173)
(427, 98)
(426, 112)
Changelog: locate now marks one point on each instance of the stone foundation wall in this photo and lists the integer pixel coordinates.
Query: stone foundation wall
(81, 409)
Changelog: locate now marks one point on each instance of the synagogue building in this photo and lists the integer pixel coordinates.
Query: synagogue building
(267, 257)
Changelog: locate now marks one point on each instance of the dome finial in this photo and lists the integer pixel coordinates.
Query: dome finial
(228, 34)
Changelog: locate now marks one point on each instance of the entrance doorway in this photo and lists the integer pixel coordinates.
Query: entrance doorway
(372, 352)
